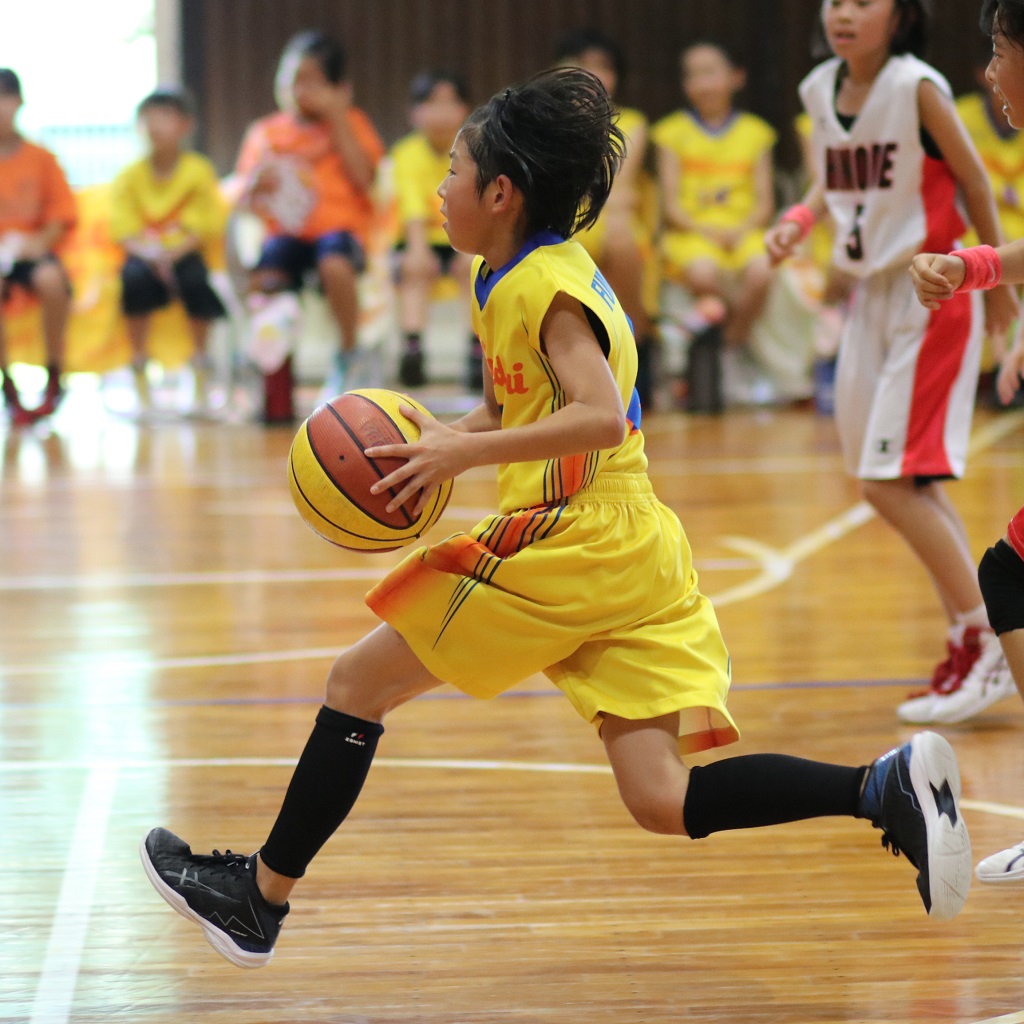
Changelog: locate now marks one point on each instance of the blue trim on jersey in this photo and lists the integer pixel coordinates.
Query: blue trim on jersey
(634, 413)
(721, 130)
(483, 286)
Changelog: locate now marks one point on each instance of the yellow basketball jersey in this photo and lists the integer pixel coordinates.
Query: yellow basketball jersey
(509, 306)
(418, 169)
(1003, 158)
(717, 184)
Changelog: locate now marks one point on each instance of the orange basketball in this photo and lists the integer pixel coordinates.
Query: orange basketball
(330, 476)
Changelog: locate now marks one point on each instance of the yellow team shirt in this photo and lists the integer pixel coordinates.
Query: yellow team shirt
(717, 184)
(188, 202)
(1003, 158)
(509, 305)
(418, 169)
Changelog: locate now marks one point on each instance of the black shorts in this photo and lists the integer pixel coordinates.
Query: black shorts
(445, 258)
(20, 274)
(294, 258)
(143, 290)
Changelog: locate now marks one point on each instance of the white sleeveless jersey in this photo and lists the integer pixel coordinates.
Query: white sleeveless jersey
(888, 198)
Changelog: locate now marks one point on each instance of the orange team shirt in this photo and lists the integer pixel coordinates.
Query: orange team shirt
(316, 195)
(33, 191)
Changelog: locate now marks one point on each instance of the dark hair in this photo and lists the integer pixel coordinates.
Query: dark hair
(1005, 17)
(911, 33)
(577, 41)
(165, 99)
(427, 81)
(10, 84)
(556, 139)
(325, 50)
(712, 44)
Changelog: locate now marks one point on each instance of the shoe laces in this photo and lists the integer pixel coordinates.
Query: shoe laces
(889, 843)
(235, 862)
(949, 674)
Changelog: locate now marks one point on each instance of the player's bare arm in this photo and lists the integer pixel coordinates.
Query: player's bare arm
(939, 119)
(782, 238)
(592, 419)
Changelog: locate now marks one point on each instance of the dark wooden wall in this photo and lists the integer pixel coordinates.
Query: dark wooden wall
(231, 48)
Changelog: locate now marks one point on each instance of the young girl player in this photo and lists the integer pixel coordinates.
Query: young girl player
(583, 573)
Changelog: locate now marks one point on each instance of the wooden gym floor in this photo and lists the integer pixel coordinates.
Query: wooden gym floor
(166, 622)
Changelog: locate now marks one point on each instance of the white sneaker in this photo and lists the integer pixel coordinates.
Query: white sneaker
(1006, 866)
(963, 648)
(988, 682)
(918, 710)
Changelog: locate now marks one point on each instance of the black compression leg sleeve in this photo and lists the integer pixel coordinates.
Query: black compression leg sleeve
(767, 789)
(324, 787)
(1001, 578)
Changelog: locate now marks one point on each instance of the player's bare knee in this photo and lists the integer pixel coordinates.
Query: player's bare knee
(656, 812)
(49, 282)
(876, 493)
(335, 268)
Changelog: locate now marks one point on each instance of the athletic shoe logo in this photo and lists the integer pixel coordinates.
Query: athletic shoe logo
(883, 446)
(945, 803)
(357, 739)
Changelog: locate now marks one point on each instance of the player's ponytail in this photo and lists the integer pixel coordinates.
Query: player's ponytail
(556, 140)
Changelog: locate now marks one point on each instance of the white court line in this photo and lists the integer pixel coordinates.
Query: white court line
(372, 573)
(112, 666)
(55, 991)
(117, 581)
(425, 763)
(1010, 1018)
(985, 807)
(777, 565)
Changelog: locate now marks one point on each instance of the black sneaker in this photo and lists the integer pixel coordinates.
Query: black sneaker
(411, 373)
(912, 794)
(219, 893)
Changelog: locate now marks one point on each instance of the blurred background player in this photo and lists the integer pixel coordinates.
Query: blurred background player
(163, 210)
(1001, 148)
(37, 210)
(440, 103)
(308, 173)
(717, 190)
(620, 242)
(906, 377)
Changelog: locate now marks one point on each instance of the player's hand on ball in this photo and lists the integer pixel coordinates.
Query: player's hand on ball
(438, 455)
(936, 277)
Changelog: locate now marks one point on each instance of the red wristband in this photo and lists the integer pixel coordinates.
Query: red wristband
(983, 268)
(1015, 533)
(802, 216)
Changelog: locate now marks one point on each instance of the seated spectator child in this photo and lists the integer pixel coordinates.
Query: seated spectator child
(37, 210)
(440, 103)
(715, 174)
(619, 240)
(308, 173)
(164, 209)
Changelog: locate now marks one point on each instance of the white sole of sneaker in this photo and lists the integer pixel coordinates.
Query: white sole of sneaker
(917, 710)
(991, 872)
(933, 766)
(214, 936)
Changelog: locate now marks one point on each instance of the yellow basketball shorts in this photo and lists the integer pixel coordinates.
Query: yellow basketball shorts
(681, 249)
(599, 594)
